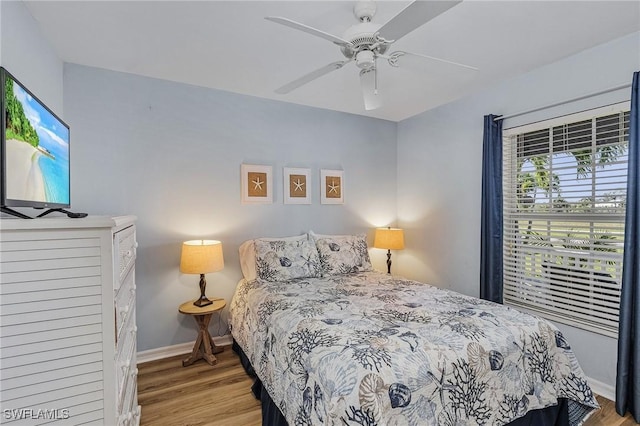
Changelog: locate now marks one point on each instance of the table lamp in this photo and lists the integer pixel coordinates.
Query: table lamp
(390, 239)
(201, 257)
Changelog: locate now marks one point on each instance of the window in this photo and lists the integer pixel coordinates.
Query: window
(564, 205)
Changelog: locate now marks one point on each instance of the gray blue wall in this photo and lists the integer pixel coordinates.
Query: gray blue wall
(440, 165)
(26, 54)
(170, 153)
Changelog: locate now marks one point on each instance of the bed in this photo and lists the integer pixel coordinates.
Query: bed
(333, 342)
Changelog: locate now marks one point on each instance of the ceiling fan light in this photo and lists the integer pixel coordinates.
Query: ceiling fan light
(365, 59)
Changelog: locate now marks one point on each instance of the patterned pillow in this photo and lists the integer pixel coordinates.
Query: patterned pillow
(282, 260)
(344, 254)
(247, 252)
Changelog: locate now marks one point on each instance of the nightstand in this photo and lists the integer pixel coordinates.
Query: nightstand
(204, 347)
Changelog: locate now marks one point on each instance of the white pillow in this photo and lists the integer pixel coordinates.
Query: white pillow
(247, 251)
(314, 236)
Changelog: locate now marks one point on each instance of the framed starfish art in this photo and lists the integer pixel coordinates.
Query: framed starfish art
(331, 186)
(296, 186)
(256, 184)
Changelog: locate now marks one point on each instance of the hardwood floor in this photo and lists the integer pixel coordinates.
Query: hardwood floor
(201, 395)
(198, 395)
(607, 415)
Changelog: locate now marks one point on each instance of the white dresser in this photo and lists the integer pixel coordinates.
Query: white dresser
(68, 322)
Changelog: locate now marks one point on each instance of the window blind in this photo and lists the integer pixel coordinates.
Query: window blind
(564, 185)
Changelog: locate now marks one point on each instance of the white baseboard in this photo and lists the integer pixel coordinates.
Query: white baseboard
(179, 349)
(225, 340)
(602, 389)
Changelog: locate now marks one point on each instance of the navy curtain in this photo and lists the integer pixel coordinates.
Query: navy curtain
(628, 377)
(491, 219)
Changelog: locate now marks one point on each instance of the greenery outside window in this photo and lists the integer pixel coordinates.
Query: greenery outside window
(564, 205)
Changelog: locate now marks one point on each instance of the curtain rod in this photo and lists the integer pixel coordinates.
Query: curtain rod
(579, 98)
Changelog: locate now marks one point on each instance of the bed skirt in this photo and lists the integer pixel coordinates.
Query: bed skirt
(271, 414)
(557, 415)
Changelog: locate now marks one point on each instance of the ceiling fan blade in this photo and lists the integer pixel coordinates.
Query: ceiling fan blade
(413, 16)
(309, 30)
(311, 76)
(398, 59)
(369, 89)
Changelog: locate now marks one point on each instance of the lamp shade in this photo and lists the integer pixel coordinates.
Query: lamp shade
(201, 257)
(389, 238)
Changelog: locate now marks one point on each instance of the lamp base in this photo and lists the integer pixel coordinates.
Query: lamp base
(203, 301)
(388, 261)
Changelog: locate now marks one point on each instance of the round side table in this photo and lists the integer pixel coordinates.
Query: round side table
(204, 347)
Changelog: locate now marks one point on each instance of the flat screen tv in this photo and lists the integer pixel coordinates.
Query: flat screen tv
(35, 150)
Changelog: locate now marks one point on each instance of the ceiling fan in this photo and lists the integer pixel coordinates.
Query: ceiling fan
(366, 42)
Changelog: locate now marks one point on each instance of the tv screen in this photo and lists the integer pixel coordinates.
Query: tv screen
(35, 150)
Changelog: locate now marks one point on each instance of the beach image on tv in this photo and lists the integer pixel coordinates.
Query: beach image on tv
(37, 150)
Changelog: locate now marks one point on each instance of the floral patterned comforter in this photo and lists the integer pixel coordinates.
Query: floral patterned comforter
(372, 349)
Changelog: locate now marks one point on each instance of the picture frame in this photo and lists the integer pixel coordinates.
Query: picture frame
(297, 184)
(331, 186)
(256, 184)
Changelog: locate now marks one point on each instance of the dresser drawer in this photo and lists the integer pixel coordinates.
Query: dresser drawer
(124, 247)
(125, 302)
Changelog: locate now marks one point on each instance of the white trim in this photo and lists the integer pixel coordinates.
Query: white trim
(179, 349)
(166, 352)
(574, 117)
(602, 389)
(568, 101)
(225, 340)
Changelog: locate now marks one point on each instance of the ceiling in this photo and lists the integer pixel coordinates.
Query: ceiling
(228, 45)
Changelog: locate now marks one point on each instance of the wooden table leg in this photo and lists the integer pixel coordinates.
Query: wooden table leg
(204, 348)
